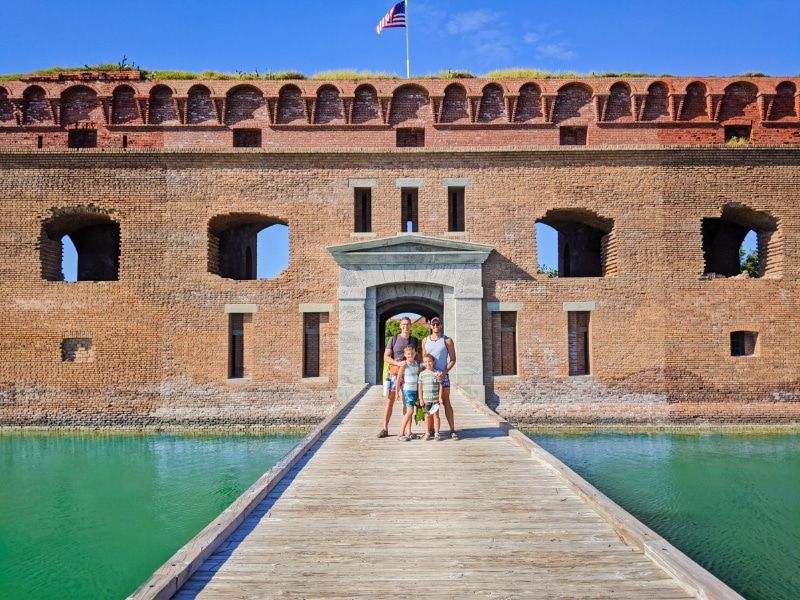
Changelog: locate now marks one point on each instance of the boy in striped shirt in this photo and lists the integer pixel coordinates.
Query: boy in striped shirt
(430, 390)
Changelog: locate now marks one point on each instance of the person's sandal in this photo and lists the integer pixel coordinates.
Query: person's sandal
(454, 436)
(383, 433)
(437, 437)
(427, 437)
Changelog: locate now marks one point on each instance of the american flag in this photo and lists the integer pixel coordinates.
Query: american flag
(396, 17)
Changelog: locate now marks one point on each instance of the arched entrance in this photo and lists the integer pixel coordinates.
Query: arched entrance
(420, 298)
(379, 277)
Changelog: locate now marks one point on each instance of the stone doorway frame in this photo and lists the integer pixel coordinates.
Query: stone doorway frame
(369, 266)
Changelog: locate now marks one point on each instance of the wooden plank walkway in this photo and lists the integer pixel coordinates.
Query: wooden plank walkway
(361, 517)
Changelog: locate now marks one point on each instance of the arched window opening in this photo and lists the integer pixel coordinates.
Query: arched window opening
(585, 243)
(247, 247)
(80, 245)
(741, 243)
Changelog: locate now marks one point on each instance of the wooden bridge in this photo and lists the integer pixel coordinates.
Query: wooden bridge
(348, 515)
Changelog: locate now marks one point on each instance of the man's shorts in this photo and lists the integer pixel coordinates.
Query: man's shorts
(446, 381)
(411, 398)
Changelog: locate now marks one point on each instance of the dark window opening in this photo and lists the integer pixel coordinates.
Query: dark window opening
(236, 346)
(573, 136)
(96, 242)
(247, 247)
(455, 209)
(76, 350)
(585, 247)
(408, 209)
(39, 141)
(505, 345)
(124, 141)
(739, 133)
(362, 210)
(410, 138)
(741, 241)
(743, 343)
(247, 138)
(311, 322)
(82, 138)
(578, 343)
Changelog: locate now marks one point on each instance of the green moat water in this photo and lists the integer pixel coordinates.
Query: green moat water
(93, 515)
(729, 501)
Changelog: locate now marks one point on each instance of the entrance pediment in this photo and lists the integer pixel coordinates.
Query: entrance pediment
(410, 249)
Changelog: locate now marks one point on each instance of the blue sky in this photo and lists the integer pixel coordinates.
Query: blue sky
(681, 37)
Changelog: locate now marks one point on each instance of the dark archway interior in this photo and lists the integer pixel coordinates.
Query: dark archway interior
(387, 310)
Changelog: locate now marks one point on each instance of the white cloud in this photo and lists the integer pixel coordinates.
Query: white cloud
(557, 50)
(530, 38)
(471, 21)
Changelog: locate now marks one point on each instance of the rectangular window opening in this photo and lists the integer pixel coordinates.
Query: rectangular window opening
(77, 350)
(236, 346)
(410, 138)
(578, 343)
(39, 141)
(573, 136)
(740, 133)
(311, 323)
(247, 138)
(362, 210)
(82, 138)
(455, 209)
(124, 141)
(506, 359)
(743, 343)
(408, 209)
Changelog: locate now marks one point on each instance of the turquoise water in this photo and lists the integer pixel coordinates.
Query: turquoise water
(729, 501)
(93, 515)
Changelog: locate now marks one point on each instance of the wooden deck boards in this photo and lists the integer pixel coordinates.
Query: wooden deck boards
(362, 517)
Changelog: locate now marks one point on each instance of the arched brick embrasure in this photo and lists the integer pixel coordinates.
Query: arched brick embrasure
(410, 103)
(124, 107)
(723, 236)
(784, 106)
(740, 102)
(694, 104)
(454, 106)
(200, 107)
(329, 106)
(229, 238)
(96, 238)
(365, 106)
(574, 101)
(619, 103)
(162, 107)
(290, 105)
(80, 104)
(245, 103)
(656, 105)
(585, 242)
(529, 105)
(492, 105)
(6, 108)
(36, 110)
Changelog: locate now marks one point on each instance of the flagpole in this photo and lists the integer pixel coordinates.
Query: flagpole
(408, 60)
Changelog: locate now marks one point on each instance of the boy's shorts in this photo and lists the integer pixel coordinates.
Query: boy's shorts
(429, 406)
(411, 398)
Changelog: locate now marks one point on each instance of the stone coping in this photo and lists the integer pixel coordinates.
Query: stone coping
(691, 576)
(171, 576)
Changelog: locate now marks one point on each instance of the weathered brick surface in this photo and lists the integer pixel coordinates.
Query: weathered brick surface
(152, 346)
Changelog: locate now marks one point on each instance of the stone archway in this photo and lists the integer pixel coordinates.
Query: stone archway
(426, 299)
(408, 268)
